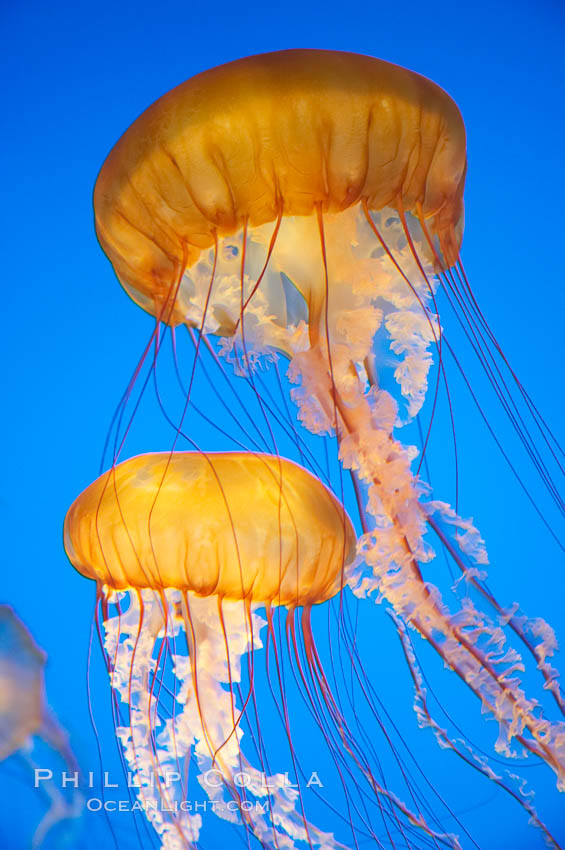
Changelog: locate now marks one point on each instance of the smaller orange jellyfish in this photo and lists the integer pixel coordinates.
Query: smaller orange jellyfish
(198, 543)
(25, 718)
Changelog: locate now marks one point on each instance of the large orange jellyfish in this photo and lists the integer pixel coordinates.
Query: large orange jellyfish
(306, 204)
(198, 543)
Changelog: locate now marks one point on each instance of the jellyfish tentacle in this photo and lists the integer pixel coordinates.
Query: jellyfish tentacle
(478, 334)
(257, 284)
(539, 652)
(316, 703)
(323, 700)
(282, 708)
(241, 320)
(163, 314)
(136, 635)
(368, 690)
(316, 669)
(549, 438)
(407, 586)
(471, 758)
(258, 826)
(464, 290)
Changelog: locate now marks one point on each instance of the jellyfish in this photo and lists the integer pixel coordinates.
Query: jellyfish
(307, 205)
(187, 547)
(29, 728)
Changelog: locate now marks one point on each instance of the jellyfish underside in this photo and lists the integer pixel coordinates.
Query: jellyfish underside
(320, 247)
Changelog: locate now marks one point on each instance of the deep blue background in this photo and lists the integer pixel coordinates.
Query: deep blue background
(76, 75)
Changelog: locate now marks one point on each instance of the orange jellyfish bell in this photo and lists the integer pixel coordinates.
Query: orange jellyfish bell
(235, 525)
(279, 134)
